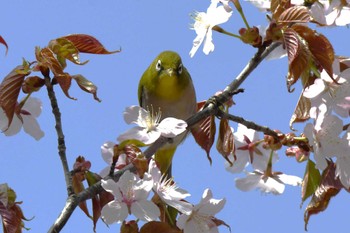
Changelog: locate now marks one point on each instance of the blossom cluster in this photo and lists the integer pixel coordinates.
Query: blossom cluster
(330, 104)
(131, 198)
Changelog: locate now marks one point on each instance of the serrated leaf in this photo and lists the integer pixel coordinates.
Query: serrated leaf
(312, 178)
(88, 44)
(86, 85)
(295, 14)
(298, 55)
(93, 178)
(2, 41)
(225, 143)
(204, 132)
(301, 111)
(328, 188)
(9, 91)
(11, 214)
(65, 48)
(277, 7)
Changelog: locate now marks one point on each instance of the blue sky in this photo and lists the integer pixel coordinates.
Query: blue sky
(143, 29)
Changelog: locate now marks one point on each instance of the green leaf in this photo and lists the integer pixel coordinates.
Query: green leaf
(312, 178)
(86, 85)
(66, 49)
(329, 187)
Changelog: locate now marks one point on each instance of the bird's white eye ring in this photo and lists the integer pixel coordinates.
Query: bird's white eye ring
(179, 69)
(159, 65)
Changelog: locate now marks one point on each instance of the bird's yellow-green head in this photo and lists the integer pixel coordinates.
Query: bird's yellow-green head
(166, 77)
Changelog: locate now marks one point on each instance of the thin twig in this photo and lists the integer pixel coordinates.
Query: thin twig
(60, 136)
(211, 109)
(248, 124)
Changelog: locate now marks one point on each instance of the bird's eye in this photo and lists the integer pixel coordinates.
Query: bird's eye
(159, 65)
(179, 69)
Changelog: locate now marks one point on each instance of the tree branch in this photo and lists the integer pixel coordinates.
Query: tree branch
(60, 136)
(211, 109)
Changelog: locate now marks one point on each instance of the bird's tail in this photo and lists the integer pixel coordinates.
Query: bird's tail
(164, 157)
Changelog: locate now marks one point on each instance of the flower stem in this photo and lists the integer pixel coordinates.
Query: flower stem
(240, 11)
(221, 30)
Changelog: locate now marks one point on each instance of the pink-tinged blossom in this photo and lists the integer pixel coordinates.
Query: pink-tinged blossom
(331, 13)
(26, 118)
(248, 150)
(201, 219)
(273, 183)
(343, 161)
(204, 23)
(107, 155)
(130, 197)
(149, 127)
(262, 5)
(324, 139)
(327, 96)
(168, 191)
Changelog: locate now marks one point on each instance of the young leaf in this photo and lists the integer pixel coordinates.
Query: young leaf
(9, 91)
(93, 178)
(295, 14)
(32, 84)
(2, 41)
(86, 85)
(312, 178)
(10, 211)
(328, 188)
(319, 46)
(278, 7)
(225, 143)
(66, 49)
(301, 111)
(87, 44)
(298, 55)
(204, 132)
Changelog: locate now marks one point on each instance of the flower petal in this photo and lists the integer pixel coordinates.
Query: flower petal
(32, 127)
(171, 127)
(114, 212)
(145, 210)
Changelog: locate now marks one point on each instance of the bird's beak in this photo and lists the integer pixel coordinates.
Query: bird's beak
(170, 72)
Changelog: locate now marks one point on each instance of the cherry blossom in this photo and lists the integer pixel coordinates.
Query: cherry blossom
(149, 127)
(107, 155)
(205, 21)
(26, 118)
(130, 196)
(248, 150)
(330, 13)
(168, 191)
(201, 219)
(273, 183)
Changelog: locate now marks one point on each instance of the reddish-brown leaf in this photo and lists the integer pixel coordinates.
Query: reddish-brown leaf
(78, 186)
(301, 111)
(47, 58)
(322, 51)
(158, 227)
(2, 41)
(225, 143)
(32, 84)
(129, 227)
(295, 14)
(65, 48)
(10, 211)
(278, 7)
(328, 188)
(86, 85)
(204, 132)
(93, 178)
(88, 44)
(9, 91)
(298, 55)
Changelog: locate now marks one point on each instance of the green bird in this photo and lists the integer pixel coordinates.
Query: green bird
(166, 86)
